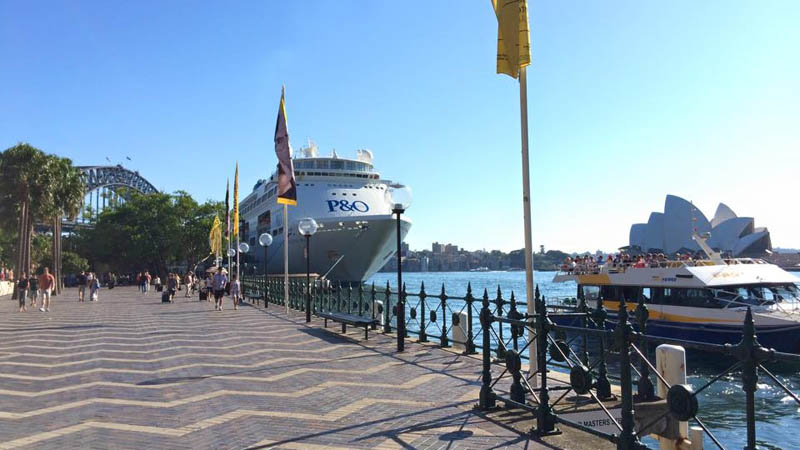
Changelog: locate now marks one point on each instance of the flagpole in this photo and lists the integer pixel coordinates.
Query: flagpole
(526, 205)
(237, 256)
(286, 257)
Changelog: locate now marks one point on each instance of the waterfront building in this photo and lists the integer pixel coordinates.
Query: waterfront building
(671, 231)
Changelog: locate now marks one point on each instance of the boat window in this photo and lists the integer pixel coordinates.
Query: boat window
(323, 164)
(609, 293)
(630, 293)
(591, 293)
(337, 164)
(646, 294)
(688, 297)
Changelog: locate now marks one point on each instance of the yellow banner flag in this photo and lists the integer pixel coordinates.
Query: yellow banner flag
(513, 36)
(215, 237)
(236, 201)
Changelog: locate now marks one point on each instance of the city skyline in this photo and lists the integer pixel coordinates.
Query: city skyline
(627, 105)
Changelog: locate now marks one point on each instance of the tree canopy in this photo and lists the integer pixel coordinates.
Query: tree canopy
(150, 232)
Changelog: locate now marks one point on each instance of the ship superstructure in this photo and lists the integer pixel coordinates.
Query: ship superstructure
(346, 197)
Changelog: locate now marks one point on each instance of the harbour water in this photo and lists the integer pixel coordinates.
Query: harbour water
(722, 406)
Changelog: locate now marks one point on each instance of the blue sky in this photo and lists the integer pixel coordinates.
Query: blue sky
(628, 101)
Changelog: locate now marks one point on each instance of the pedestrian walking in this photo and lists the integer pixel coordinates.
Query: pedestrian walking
(82, 283)
(187, 280)
(22, 292)
(235, 291)
(33, 285)
(94, 289)
(172, 286)
(220, 281)
(209, 287)
(147, 279)
(46, 284)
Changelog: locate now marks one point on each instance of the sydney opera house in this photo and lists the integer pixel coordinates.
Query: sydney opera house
(671, 231)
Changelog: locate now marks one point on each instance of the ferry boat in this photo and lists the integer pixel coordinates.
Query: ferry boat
(702, 300)
(347, 197)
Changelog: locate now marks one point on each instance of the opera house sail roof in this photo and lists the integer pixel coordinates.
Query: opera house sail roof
(671, 231)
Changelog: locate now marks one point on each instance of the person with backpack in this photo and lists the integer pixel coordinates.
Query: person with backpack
(82, 283)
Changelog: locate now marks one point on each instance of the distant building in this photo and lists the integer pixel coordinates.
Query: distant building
(436, 248)
(450, 249)
(671, 231)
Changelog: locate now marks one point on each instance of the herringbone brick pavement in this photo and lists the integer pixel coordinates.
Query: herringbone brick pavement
(131, 372)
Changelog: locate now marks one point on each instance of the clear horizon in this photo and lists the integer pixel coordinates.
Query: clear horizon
(626, 105)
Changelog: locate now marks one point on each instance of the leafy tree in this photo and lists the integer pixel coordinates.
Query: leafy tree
(150, 232)
(73, 263)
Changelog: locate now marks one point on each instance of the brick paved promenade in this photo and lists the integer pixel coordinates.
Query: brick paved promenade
(129, 372)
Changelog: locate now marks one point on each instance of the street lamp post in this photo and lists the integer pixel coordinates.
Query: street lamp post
(307, 228)
(265, 240)
(399, 197)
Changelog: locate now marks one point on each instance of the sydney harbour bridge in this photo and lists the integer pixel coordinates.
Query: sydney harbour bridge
(107, 186)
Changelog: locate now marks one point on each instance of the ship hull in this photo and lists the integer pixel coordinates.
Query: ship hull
(341, 250)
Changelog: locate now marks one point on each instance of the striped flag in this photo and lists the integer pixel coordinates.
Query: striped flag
(287, 187)
(513, 36)
(236, 201)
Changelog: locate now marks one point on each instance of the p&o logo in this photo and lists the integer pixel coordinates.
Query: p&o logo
(346, 206)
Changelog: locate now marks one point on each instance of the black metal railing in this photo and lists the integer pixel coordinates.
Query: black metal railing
(504, 329)
(588, 374)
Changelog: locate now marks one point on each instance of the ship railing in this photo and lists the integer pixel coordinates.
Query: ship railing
(503, 330)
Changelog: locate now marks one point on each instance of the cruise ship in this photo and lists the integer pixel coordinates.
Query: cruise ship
(347, 198)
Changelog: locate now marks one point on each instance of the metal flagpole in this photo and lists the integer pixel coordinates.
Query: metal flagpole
(237, 256)
(286, 257)
(526, 205)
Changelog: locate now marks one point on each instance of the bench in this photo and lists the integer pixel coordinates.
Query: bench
(348, 319)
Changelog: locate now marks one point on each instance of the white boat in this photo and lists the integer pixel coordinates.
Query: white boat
(347, 197)
(700, 300)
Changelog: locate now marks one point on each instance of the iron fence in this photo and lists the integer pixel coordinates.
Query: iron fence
(580, 343)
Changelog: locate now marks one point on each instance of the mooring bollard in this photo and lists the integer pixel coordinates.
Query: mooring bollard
(671, 364)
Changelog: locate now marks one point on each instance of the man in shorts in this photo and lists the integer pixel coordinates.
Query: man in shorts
(81, 279)
(46, 285)
(220, 281)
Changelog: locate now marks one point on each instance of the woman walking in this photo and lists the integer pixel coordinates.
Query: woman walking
(235, 291)
(94, 288)
(22, 292)
(33, 284)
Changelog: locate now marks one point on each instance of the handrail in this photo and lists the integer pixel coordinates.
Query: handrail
(499, 325)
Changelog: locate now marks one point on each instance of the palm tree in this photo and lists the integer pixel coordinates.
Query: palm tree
(65, 195)
(24, 182)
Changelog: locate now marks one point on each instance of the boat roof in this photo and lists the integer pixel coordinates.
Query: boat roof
(695, 274)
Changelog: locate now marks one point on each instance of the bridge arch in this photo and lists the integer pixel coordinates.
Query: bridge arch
(104, 182)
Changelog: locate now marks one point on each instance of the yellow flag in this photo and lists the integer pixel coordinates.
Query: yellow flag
(513, 36)
(236, 201)
(215, 237)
